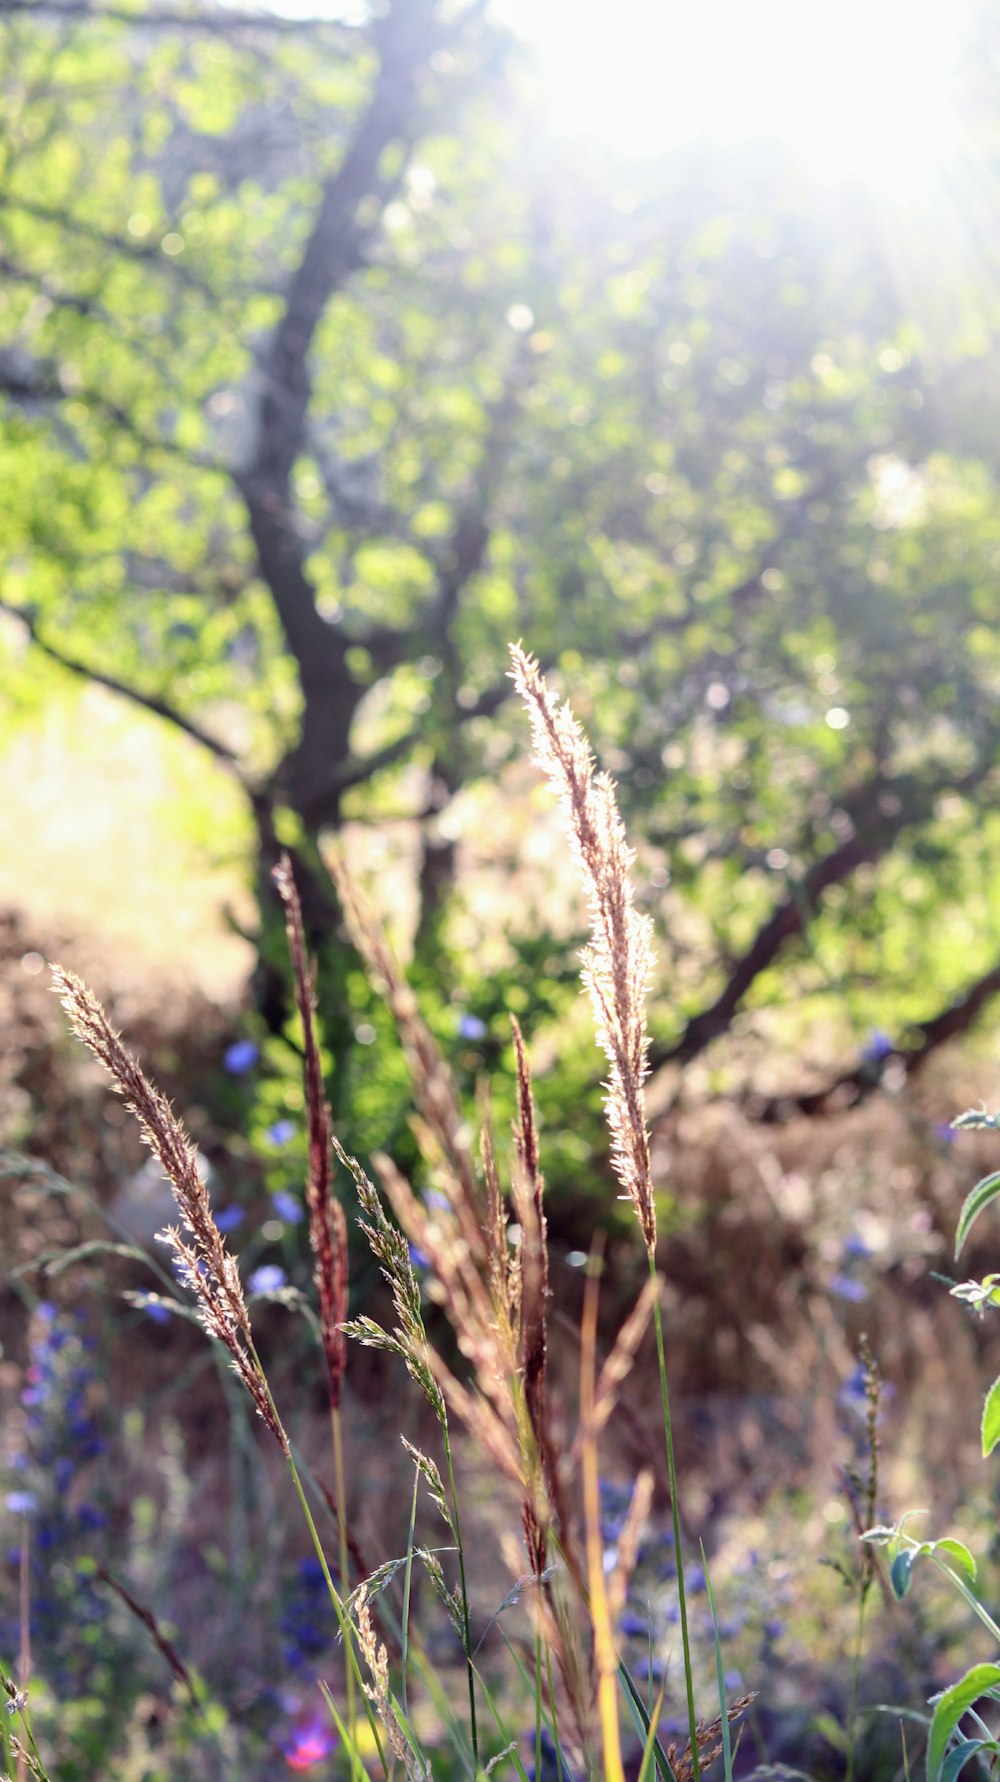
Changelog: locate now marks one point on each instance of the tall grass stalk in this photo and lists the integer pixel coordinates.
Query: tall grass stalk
(617, 965)
(605, 1654)
(494, 1293)
(668, 1436)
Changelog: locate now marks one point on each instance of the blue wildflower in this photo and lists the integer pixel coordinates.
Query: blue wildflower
(877, 1047)
(154, 1307)
(281, 1133)
(288, 1207)
(240, 1057)
(21, 1503)
(845, 1288)
(419, 1258)
(230, 1218)
(305, 1625)
(472, 1028)
(857, 1247)
(269, 1278)
(945, 1133)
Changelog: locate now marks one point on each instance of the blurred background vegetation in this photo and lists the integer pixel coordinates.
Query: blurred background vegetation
(335, 353)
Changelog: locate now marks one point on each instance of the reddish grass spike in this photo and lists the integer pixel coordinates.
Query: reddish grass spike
(205, 1263)
(327, 1225)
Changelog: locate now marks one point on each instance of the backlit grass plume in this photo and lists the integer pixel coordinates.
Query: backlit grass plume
(617, 961)
(203, 1262)
(617, 965)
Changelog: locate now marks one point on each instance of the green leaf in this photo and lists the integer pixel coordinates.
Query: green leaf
(900, 1572)
(991, 1419)
(976, 1200)
(955, 1702)
(959, 1555)
(959, 1756)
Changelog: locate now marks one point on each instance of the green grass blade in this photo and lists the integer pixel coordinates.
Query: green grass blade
(720, 1675)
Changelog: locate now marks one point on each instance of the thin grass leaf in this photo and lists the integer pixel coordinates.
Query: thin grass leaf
(649, 1749)
(644, 1721)
(504, 1731)
(720, 1676)
(407, 1579)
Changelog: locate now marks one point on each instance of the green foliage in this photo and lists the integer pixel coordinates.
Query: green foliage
(675, 422)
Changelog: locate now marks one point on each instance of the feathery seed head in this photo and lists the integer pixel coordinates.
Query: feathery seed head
(204, 1263)
(617, 962)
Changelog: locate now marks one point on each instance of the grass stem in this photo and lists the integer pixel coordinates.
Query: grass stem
(466, 1623)
(668, 1434)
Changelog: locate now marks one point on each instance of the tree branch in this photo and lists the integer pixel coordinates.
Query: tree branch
(148, 253)
(880, 811)
(27, 382)
(150, 702)
(854, 1086)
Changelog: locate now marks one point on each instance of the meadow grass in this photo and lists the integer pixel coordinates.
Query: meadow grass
(464, 1255)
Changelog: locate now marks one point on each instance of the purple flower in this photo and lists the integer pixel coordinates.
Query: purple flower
(309, 1744)
(240, 1057)
(230, 1218)
(288, 1207)
(20, 1503)
(155, 1308)
(269, 1278)
(281, 1133)
(878, 1046)
(436, 1202)
(857, 1246)
(419, 1258)
(472, 1028)
(945, 1133)
(845, 1288)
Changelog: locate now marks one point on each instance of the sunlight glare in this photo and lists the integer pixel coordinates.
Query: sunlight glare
(858, 89)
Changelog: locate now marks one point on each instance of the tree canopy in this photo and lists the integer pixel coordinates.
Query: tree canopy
(327, 369)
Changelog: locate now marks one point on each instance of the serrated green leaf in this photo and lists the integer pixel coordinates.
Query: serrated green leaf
(976, 1200)
(955, 1702)
(991, 1419)
(959, 1555)
(900, 1572)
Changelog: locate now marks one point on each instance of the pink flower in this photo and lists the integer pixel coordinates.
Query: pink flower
(309, 1744)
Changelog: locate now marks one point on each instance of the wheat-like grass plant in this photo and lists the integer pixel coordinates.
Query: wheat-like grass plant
(202, 1260)
(494, 1293)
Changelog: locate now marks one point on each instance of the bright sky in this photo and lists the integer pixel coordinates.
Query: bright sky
(858, 87)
